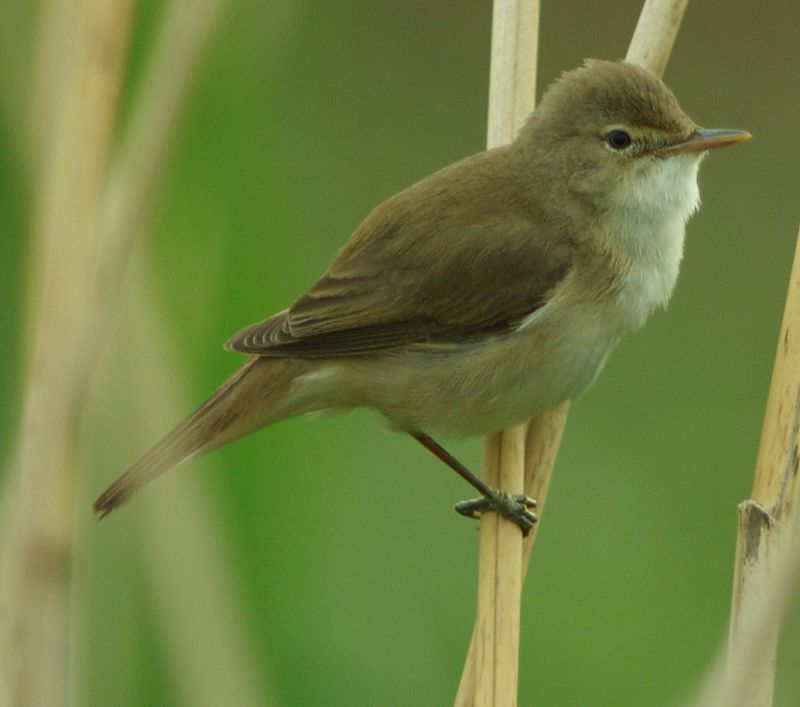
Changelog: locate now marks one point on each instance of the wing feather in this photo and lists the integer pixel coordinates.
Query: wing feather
(458, 256)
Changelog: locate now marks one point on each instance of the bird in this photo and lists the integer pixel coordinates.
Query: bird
(484, 294)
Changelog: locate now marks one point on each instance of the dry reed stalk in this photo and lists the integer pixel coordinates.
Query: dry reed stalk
(512, 91)
(37, 547)
(650, 47)
(767, 566)
(499, 578)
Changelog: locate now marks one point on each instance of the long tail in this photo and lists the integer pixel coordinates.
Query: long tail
(244, 403)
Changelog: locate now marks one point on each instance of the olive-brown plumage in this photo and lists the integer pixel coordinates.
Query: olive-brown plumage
(487, 292)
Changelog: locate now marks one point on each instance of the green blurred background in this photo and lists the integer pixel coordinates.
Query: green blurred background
(355, 580)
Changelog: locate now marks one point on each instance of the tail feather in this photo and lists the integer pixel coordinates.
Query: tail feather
(243, 404)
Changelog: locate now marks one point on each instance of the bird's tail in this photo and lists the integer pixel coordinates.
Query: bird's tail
(248, 400)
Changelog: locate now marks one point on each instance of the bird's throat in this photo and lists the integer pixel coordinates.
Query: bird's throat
(645, 227)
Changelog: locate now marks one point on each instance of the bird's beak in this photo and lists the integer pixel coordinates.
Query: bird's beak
(701, 140)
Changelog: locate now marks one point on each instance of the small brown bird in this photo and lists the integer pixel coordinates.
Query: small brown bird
(486, 293)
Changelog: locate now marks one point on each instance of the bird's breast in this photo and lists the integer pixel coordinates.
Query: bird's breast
(646, 282)
(475, 388)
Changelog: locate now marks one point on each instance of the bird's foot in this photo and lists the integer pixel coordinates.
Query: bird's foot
(515, 507)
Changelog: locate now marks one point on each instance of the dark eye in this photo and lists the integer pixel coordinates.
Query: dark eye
(618, 139)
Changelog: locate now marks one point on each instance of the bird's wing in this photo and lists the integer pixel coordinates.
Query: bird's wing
(457, 257)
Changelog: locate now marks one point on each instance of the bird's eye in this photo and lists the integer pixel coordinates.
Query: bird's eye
(618, 139)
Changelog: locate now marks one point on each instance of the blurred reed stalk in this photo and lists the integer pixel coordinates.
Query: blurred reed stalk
(138, 165)
(490, 673)
(89, 211)
(83, 61)
(211, 658)
(767, 569)
(198, 605)
(15, 85)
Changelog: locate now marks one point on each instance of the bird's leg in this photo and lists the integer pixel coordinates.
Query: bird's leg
(516, 507)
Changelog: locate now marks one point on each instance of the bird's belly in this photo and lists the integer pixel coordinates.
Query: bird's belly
(470, 390)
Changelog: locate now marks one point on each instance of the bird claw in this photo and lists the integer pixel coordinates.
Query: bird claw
(515, 507)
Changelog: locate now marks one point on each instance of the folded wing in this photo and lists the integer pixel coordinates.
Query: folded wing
(457, 257)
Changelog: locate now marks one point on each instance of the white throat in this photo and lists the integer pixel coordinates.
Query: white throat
(649, 211)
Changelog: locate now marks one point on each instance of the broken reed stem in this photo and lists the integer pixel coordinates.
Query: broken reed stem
(776, 485)
(766, 573)
(89, 54)
(650, 47)
(735, 678)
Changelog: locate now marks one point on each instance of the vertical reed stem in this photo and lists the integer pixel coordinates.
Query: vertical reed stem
(764, 549)
(512, 89)
(650, 47)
